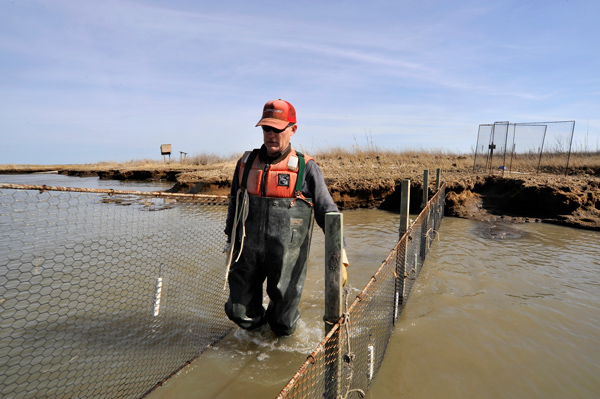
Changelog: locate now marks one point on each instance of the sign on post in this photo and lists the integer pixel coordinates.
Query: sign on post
(165, 149)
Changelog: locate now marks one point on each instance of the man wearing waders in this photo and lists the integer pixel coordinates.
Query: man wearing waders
(276, 192)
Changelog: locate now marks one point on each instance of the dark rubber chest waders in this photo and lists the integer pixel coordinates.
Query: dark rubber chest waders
(275, 247)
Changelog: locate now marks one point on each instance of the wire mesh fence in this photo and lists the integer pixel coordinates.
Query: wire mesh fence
(531, 147)
(106, 293)
(346, 361)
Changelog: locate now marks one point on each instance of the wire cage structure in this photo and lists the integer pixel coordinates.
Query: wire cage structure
(529, 147)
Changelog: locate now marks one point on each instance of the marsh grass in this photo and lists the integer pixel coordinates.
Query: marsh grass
(420, 159)
(13, 168)
(209, 159)
(189, 163)
(346, 159)
(550, 162)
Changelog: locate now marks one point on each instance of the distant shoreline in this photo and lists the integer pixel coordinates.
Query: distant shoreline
(371, 179)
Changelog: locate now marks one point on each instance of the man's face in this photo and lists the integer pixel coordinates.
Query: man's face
(277, 142)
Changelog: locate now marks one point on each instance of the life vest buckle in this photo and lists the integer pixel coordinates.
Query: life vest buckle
(299, 196)
(293, 163)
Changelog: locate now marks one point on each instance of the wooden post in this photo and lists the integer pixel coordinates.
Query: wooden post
(438, 179)
(334, 233)
(425, 188)
(404, 206)
(333, 268)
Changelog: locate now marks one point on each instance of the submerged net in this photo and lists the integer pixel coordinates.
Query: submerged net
(106, 293)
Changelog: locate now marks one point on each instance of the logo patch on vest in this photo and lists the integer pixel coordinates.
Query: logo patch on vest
(283, 180)
(296, 222)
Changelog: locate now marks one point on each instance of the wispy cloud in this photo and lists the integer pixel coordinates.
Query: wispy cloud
(132, 74)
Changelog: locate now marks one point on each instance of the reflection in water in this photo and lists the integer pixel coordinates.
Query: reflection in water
(38, 179)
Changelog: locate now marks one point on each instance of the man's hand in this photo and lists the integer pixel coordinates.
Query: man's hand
(344, 272)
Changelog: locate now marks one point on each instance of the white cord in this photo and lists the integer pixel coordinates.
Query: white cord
(243, 215)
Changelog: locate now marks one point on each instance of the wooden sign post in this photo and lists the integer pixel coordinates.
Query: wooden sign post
(165, 149)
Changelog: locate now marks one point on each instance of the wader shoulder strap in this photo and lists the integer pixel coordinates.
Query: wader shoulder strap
(300, 177)
(248, 166)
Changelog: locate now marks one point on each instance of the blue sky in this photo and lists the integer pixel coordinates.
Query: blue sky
(89, 81)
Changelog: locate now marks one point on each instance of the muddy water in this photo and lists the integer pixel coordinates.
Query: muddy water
(54, 179)
(512, 318)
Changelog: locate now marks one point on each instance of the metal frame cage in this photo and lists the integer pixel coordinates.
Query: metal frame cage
(523, 147)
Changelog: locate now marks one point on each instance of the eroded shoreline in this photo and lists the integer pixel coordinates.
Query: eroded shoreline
(513, 198)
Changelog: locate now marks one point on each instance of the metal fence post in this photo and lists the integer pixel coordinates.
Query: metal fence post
(333, 300)
(404, 206)
(425, 225)
(401, 255)
(425, 188)
(438, 184)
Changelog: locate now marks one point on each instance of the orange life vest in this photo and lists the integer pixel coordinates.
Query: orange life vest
(278, 180)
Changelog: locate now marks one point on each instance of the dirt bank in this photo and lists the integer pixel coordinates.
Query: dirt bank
(570, 201)
(373, 181)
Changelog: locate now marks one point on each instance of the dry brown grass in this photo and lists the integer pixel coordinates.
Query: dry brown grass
(553, 163)
(12, 168)
(209, 159)
(374, 164)
(190, 163)
(392, 157)
(367, 162)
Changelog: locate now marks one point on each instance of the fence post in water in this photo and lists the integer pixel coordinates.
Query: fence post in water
(404, 206)
(401, 254)
(425, 188)
(333, 299)
(425, 224)
(435, 210)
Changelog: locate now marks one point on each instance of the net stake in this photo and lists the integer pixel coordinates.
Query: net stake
(333, 300)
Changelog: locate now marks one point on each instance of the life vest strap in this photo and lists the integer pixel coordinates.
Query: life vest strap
(300, 177)
(248, 166)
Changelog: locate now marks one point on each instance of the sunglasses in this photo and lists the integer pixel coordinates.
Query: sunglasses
(268, 129)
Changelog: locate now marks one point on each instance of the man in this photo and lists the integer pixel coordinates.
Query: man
(275, 193)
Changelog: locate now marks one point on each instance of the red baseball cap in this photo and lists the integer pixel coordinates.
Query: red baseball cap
(278, 114)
